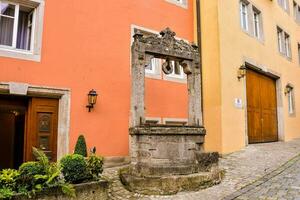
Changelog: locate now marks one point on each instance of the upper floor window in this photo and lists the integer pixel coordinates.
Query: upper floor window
(284, 43)
(284, 4)
(244, 15)
(16, 24)
(21, 28)
(257, 23)
(296, 12)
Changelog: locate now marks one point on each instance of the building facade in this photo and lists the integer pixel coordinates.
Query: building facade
(251, 67)
(54, 52)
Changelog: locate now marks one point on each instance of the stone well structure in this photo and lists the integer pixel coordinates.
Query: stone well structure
(167, 159)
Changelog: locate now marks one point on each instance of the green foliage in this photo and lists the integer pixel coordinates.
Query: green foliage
(8, 178)
(40, 175)
(74, 168)
(6, 193)
(80, 147)
(94, 165)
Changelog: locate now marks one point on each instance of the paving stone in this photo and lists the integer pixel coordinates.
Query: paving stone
(270, 171)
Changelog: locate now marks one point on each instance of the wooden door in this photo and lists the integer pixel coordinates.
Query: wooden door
(261, 108)
(41, 128)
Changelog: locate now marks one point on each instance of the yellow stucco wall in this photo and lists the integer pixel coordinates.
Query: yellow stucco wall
(225, 48)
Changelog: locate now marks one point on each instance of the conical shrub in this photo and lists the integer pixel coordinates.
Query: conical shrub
(80, 147)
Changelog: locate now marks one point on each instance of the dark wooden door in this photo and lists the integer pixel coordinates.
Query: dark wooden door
(261, 108)
(41, 131)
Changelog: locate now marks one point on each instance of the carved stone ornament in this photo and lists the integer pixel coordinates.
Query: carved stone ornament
(166, 44)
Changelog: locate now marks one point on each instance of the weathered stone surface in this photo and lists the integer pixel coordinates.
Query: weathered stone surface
(166, 185)
(84, 191)
(165, 150)
(207, 160)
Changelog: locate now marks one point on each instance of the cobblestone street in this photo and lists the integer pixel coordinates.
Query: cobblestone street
(260, 171)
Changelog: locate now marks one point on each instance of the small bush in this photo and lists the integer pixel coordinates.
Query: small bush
(94, 165)
(28, 171)
(80, 147)
(6, 193)
(8, 178)
(74, 169)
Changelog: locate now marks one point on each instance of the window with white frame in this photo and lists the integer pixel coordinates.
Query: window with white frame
(256, 23)
(182, 3)
(284, 43)
(153, 67)
(284, 4)
(244, 15)
(18, 27)
(290, 95)
(299, 53)
(296, 12)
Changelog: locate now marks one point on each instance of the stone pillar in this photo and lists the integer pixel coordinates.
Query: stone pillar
(194, 95)
(137, 107)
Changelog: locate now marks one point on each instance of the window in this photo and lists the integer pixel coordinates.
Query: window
(299, 53)
(290, 94)
(284, 43)
(284, 4)
(181, 3)
(153, 66)
(256, 23)
(19, 31)
(296, 12)
(244, 15)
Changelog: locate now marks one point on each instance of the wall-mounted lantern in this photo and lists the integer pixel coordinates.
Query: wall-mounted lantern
(92, 99)
(241, 72)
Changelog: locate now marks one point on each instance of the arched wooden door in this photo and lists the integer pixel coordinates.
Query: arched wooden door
(261, 108)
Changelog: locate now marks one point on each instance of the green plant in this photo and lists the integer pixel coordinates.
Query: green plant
(8, 178)
(40, 175)
(74, 169)
(80, 147)
(6, 193)
(94, 165)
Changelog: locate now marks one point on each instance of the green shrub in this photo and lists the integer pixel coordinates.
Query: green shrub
(28, 171)
(8, 178)
(40, 175)
(6, 193)
(74, 169)
(94, 165)
(80, 147)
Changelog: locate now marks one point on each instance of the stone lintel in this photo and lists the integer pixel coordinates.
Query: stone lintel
(167, 130)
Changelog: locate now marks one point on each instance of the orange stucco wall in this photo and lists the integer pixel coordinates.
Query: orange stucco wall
(87, 45)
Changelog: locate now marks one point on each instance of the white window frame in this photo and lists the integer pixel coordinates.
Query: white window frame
(280, 40)
(296, 9)
(34, 54)
(284, 4)
(256, 23)
(244, 12)
(291, 101)
(180, 3)
(287, 45)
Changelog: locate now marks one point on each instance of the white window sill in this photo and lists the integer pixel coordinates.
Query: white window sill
(19, 54)
(183, 5)
(175, 78)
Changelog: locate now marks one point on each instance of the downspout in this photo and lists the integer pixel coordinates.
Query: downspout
(199, 43)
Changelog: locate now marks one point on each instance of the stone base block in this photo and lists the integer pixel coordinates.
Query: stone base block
(167, 185)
